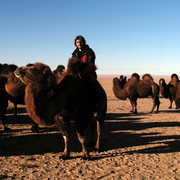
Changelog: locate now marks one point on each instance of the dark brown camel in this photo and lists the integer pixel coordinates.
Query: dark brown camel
(168, 91)
(3, 103)
(97, 93)
(49, 103)
(135, 88)
(14, 87)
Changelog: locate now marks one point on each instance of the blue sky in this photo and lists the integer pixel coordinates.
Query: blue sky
(127, 36)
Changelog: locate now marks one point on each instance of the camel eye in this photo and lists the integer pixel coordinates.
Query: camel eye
(34, 70)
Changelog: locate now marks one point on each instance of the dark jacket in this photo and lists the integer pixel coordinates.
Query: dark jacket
(85, 51)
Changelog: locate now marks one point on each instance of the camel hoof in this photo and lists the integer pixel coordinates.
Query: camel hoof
(35, 129)
(6, 129)
(96, 149)
(86, 157)
(65, 156)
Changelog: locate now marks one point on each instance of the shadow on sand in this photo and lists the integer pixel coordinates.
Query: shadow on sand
(117, 133)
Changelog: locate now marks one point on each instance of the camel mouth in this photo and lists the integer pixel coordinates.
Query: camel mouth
(19, 75)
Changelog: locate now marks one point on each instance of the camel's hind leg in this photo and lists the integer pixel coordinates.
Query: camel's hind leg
(134, 107)
(156, 102)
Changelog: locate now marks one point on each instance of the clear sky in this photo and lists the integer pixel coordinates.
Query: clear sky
(127, 36)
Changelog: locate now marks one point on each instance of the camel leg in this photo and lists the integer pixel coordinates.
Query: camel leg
(170, 105)
(2, 121)
(63, 125)
(98, 136)
(34, 127)
(85, 154)
(15, 109)
(134, 107)
(156, 102)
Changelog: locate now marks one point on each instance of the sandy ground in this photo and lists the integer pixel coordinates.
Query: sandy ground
(142, 146)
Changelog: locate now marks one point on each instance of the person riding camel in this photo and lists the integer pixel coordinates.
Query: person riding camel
(88, 74)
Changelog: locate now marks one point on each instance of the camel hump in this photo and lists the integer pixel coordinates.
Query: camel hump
(174, 76)
(135, 76)
(174, 80)
(74, 66)
(148, 77)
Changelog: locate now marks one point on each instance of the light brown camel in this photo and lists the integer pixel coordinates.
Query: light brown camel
(49, 103)
(135, 88)
(3, 103)
(168, 91)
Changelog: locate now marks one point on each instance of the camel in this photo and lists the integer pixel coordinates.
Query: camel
(177, 98)
(49, 103)
(3, 103)
(135, 88)
(168, 91)
(14, 88)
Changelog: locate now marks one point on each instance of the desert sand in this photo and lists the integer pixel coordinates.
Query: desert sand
(133, 146)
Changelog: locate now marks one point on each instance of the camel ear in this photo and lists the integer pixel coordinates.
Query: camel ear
(49, 77)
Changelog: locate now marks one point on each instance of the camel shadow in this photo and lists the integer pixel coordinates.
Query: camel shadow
(170, 111)
(118, 133)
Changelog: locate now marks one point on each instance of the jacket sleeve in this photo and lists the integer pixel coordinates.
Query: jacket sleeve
(91, 57)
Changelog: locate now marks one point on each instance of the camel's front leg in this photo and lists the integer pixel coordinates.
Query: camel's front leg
(85, 154)
(63, 125)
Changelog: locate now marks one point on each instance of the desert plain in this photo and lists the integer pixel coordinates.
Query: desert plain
(133, 146)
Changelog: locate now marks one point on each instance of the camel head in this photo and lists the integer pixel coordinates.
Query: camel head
(162, 82)
(36, 74)
(59, 71)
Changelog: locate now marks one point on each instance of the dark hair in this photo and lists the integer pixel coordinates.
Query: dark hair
(81, 38)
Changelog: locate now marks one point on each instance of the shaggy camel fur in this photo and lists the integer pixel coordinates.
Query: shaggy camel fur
(3, 103)
(168, 91)
(135, 88)
(49, 103)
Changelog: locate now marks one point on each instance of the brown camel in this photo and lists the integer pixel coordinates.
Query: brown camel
(177, 98)
(3, 103)
(168, 91)
(96, 94)
(49, 103)
(15, 89)
(135, 88)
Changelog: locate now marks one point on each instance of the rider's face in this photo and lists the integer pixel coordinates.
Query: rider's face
(79, 44)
